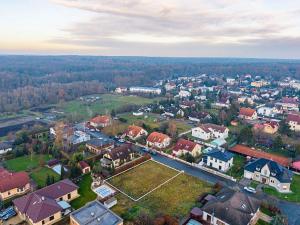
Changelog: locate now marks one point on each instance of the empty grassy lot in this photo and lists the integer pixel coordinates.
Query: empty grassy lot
(40, 176)
(105, 104)
(26, 163)
(175, 198)
(142, 179)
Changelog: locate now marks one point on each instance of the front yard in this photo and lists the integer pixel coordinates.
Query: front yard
(295, 188)
(40, 176)
(237, 170)
(175, 197)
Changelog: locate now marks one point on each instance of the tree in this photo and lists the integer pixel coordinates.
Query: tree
(113, 113)
(278, 143)
(284, 128)
(172, 129)
(97, 168)
(245, 135)
(77, 157)
(62, 172)
(189, 158)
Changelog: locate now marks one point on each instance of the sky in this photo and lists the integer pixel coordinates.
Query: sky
(176, 28)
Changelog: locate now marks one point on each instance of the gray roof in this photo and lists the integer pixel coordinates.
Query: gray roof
(95, 213)
(224, 156)
(5, 145)
(234, 208)
(99, 142)
(279, 172)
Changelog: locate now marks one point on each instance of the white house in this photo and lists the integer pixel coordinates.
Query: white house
(247, 114)
(147, 90)
(294, 122)
(185, 146)
(79, 137)
(158, 140)
(269, 172)
(218, 159)
(184, 94)
(5, 146)
(135, 132)
(208, 131)
(266, 111)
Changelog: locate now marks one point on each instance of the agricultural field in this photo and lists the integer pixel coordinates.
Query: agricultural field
(175, 197)
(105, 104)
(26, 163)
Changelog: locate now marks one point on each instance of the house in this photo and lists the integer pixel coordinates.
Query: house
(289, 104)
(158, 140)
(100, 121)
(218, 159)
(187, 104)
(231, 208)
(222, 103)
(259, 84)
(269, 172)
(5, 147)
(95, 213)
(118, 156)
(199, 116)
(183, 147)
(85, 168)
(98, 145)
(269, 127)
(78, 137)
(294, 122)
(135, 132)
(244, 99)
(146, 90)
(266, 111)
(208, 131)
(173, 112)
(121, 90)
(247, 114)
(184, 94)
(13, 184)
(46, 206)
(170, 86)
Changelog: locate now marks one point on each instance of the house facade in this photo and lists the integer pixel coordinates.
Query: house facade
(100, 121)
(118, 156)
(98, 146)
(208, 131)
(219, 159)
(135, 132)
(183, 147)
(13, 184)
(247, 114)
(44, 206)
(158, 140)
(294, 122)
(85, 168)
(269, 172)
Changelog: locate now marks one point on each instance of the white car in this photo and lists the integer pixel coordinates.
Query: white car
(250, 189)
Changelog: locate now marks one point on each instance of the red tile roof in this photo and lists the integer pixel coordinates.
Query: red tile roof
(247, 112)
(293, 118)
(10, 181)
(156, 137)
(83, 164)
(133, 130)
(100, 119)
(244, 150)
(183, 144)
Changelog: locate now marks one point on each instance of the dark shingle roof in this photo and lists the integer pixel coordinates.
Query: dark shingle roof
(220, 154)
(279, 172)
(234, 208)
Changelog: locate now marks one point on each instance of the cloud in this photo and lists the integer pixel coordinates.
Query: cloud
(177, 24)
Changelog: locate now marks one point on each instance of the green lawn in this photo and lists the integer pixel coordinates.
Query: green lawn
(175, 198)
(86, 194)
(40, 176)
(293, 197)
(254, 184)
(105, 104)
(135, 183)
(261, 222)
(26, 163)
(237, 170)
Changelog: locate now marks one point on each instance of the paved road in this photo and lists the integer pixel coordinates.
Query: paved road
(291, 210)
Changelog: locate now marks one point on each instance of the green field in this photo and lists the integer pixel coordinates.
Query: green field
(175, 198)
(105, 104)
(132, 184)
(86, 194)
(40, 176)
(26, 163)
(293, 197)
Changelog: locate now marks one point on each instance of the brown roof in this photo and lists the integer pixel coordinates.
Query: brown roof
(133, 130)
(244, 150)
(121, 152)
(10, 181)
(100, 119)
(293, 118)
(183, 144)
(83, 164)
(290, 100)
(156, 137)
(247, 111)
(207, 127)
(42, 204)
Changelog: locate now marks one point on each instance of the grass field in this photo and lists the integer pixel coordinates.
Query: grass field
(105, 104)
(26, 163)
(293, 197)
(135, 183)
(175, 198)
(86, 194)
(40, 176)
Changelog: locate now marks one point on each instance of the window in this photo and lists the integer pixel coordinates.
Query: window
(220, 222)
(51, 218)
(8, 193)
(43, 222)
(69, 196)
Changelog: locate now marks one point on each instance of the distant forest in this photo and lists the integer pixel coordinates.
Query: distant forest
(28, 81)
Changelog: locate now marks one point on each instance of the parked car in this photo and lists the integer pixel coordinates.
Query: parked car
(250, 189)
